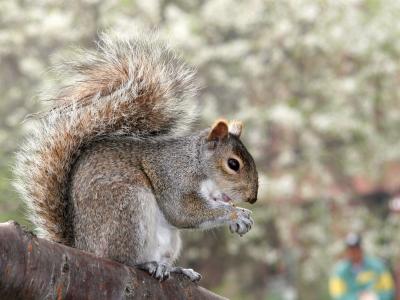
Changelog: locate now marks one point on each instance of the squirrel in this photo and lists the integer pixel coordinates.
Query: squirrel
(114, 167)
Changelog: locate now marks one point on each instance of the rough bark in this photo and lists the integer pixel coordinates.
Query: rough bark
(34, 268)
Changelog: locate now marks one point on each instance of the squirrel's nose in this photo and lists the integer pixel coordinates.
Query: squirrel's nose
(253, 196)
(252, 200)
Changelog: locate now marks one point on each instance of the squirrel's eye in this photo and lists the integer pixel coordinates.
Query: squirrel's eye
(233, 164)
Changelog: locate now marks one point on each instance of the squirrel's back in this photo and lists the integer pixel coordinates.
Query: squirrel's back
(136, 87)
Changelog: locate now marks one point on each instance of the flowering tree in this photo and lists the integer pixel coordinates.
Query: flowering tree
(317, 86)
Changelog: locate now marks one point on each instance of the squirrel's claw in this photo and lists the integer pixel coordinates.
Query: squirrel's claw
(158, 270)
(162, 272)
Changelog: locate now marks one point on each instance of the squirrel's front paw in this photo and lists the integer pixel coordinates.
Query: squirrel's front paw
(241, 221)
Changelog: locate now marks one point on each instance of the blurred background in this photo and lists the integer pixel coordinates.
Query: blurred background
(317, 84)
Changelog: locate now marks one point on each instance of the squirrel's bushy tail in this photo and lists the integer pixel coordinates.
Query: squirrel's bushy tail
(136, 87)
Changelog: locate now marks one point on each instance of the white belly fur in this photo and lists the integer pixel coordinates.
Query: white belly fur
(168, 240)
(163, 239)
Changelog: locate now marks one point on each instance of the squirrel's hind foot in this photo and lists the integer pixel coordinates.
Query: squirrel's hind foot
(193, 275)
(158, 270)
(162, 271)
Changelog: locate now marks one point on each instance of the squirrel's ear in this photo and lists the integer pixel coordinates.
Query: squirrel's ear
(235, 128)
(218, 131)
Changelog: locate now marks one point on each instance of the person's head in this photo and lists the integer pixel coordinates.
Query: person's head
(354, 252)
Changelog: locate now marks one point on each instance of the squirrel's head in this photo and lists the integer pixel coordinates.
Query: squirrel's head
(230, 169)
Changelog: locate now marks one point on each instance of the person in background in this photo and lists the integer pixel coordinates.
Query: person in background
(360, 277)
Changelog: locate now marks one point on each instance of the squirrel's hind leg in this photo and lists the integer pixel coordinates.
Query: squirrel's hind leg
(167, 248)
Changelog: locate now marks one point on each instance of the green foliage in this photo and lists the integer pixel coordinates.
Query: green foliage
(317, 86)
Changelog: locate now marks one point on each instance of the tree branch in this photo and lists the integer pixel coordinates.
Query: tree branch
(34, 268)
